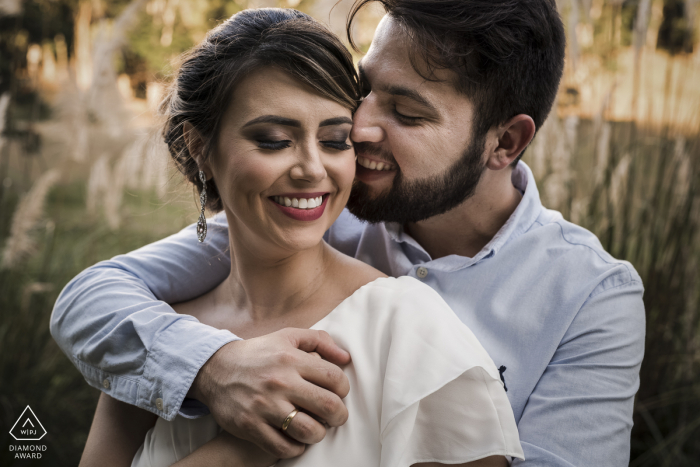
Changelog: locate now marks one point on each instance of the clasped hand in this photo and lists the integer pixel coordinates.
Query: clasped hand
(250, 386)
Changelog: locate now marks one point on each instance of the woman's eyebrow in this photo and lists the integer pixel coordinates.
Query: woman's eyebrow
(295, 123)
(274, 119)
(335, 121)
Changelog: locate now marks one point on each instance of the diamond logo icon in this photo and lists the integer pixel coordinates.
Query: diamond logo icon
(28, 427)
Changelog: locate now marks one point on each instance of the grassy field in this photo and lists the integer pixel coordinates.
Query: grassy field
(620, 156)
(644, 208)
(33, 371)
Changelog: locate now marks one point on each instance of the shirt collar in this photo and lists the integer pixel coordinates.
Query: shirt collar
(518, 223)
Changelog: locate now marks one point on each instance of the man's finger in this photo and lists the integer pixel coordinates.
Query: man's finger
(310, 340)
(320, 402)
(324, 374)
(304, 428)
(274, 441)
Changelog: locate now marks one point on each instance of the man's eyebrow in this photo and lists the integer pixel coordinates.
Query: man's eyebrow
(335, 121)
(399, 90)
(274, 119)
(411, 94)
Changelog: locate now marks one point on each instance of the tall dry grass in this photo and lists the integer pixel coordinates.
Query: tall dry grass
(623, 160)
(21, 242)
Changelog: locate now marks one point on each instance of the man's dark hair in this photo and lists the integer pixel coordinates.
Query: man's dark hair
(508, 55)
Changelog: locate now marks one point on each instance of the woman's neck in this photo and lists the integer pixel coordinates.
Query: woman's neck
(268, 284)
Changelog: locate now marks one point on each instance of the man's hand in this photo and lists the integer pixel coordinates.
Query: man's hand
(251, 386)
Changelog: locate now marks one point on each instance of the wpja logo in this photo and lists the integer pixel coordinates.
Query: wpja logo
(28, 428)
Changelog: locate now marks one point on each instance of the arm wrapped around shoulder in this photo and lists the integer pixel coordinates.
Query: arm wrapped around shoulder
(115, 323)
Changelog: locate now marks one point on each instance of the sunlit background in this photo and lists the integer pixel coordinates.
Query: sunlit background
(84, 176)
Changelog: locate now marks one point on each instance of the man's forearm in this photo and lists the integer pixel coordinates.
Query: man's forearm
(112, 322)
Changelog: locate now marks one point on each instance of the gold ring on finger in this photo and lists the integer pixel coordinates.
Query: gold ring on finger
(288, 420)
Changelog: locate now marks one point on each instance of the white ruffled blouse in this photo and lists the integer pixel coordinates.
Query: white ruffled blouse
(422, 389)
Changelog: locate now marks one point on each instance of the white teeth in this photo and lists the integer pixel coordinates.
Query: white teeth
(373, 165)
(299, 203)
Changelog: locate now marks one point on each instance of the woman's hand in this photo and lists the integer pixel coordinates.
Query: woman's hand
(228, 451)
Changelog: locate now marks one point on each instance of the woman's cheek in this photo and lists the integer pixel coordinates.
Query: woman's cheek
(342, 171)
(350, 166)
(344, 174)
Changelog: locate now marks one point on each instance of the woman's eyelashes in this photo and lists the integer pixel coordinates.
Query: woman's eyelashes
(274, 145)
(334, 140)
(339, 145)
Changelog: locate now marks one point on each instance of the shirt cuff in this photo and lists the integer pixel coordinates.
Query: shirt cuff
(173, 362)
(192, 408)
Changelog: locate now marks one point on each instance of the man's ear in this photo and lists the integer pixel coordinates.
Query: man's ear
(195, 146)
(513, 138)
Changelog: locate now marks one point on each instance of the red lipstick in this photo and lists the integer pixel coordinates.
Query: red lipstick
(303, 214)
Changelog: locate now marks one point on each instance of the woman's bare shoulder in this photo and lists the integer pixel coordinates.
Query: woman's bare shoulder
(353, 272)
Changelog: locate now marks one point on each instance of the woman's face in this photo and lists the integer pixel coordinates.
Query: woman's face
(284, 163)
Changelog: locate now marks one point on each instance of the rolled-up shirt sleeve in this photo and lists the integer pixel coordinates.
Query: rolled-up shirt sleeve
(580, 413)
(114, 322)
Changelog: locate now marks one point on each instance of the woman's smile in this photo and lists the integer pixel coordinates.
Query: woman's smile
(301, 206)
(284, 163)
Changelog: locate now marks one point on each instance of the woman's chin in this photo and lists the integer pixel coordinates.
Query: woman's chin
(299, 243)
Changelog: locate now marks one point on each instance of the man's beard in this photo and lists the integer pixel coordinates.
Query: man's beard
(417, 200)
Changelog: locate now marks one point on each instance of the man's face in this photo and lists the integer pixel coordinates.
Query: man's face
(416, 152)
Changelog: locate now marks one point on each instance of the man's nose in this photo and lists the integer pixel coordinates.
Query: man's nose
(366, 124)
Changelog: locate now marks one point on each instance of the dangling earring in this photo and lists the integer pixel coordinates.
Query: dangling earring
(202, 222)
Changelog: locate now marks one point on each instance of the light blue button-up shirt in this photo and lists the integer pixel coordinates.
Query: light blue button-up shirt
(562, 316)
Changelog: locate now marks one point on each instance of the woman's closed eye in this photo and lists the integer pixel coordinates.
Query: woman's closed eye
(340, 145)
(274, 145)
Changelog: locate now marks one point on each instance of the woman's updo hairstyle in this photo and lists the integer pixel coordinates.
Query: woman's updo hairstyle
(284, 38)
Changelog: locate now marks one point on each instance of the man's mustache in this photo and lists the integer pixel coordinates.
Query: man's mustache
(372, 149)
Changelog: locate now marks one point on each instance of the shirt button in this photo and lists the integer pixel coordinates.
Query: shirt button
(422, 272)
(105, 383)
(159, 404)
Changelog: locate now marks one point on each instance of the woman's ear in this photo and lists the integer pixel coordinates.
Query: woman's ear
(195, 146)
(513, 138)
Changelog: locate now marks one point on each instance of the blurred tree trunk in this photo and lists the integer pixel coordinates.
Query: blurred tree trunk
(676, 31)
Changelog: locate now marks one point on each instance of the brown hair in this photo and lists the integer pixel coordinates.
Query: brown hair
(508, 55)
(284, 38)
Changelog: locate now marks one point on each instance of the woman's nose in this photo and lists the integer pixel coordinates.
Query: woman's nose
(310, 167)
(366, 122)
